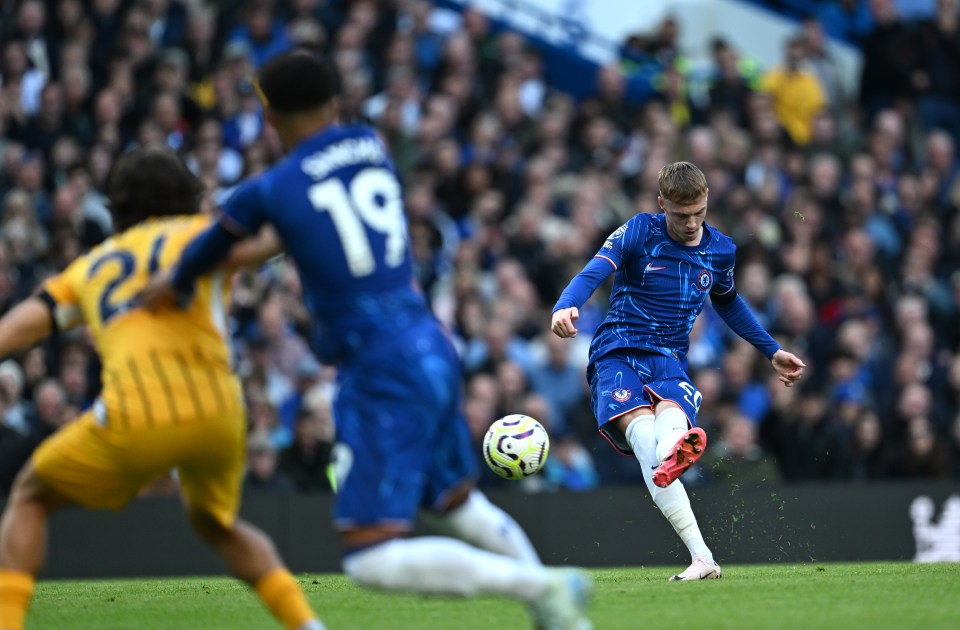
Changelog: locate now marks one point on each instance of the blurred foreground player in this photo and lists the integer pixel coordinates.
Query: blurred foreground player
(402, 441)
(169, 400)
(666, 265)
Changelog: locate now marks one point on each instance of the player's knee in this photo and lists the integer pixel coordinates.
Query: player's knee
(624, 421)
(374, 566)
(664, 405)
(370, 555)
(207, 526)
(456, 499)
(641, 428)
(30, 488)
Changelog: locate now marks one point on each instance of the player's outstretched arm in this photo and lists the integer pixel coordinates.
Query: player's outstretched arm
(254, 251)
(788, 366)
(251, 252)
(26, 324)
(566, 311)
(564, 320)
(734, 311)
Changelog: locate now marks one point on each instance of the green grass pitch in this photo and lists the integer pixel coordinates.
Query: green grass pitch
(819, 596)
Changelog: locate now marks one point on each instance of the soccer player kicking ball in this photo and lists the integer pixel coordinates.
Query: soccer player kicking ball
(402, 439)
(666, 265)
(169, 398)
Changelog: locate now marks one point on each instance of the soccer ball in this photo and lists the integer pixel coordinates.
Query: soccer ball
(516, 446)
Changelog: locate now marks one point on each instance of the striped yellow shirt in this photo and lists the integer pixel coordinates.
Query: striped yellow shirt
(172, 366)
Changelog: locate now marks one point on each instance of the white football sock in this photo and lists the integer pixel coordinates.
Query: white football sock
(440, 565)
(669, 427)
(672, 500)
(485, 525)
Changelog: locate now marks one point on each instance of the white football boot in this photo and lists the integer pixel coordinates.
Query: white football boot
(701, 569)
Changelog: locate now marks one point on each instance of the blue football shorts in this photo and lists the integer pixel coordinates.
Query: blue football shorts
(402, 440)
(623, 381)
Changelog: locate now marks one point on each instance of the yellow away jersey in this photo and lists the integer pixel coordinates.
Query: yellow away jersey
(172, 366)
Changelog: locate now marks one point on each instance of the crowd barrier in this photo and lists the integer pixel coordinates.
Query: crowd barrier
(617, 526)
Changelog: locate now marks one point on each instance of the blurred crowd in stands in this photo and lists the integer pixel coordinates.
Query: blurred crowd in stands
(843, 203)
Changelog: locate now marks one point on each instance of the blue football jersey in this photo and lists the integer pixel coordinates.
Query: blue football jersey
(660, 286)
(337, 205)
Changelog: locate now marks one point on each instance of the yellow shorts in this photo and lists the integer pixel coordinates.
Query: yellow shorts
(103, 469)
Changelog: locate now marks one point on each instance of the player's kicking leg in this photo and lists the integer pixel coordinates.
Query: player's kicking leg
(641, 431)
(678, 446)
(23, 535)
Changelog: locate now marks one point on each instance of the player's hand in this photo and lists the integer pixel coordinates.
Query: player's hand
(788, 366)
(563, 322)
(159, 292)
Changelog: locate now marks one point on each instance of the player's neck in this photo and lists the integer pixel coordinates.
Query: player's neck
(296, 129)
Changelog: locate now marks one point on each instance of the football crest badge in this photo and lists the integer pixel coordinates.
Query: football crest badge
(704, 280)
(621, 394)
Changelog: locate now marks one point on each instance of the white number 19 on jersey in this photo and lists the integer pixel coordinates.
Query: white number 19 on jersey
(373, 199)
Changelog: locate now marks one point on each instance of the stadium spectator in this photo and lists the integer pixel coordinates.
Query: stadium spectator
(798, 95)
(51, 413)
(869, 458)
(822, 62)
(923, 456)
(805, 439)
(570, 466)
(737, 459)
(306, 461)
(848, 20)
(889, 57)
(558, 377)
(261, 31)
(263, 474)
(731, 84)
(306, 386)
(934, 80)
(17, 413)
(168, 22)
(22, 82)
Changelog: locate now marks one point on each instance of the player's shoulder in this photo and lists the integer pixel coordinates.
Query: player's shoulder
(251, 189)
(722, 242)
(723, 247)
(650, 225)
(148, 231)
(636, 228)
(639, 222)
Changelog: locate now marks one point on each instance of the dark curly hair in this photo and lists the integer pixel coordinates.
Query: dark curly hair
(298, 80)
(150, 182)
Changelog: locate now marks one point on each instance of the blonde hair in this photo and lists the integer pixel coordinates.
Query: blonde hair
(682, 183)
